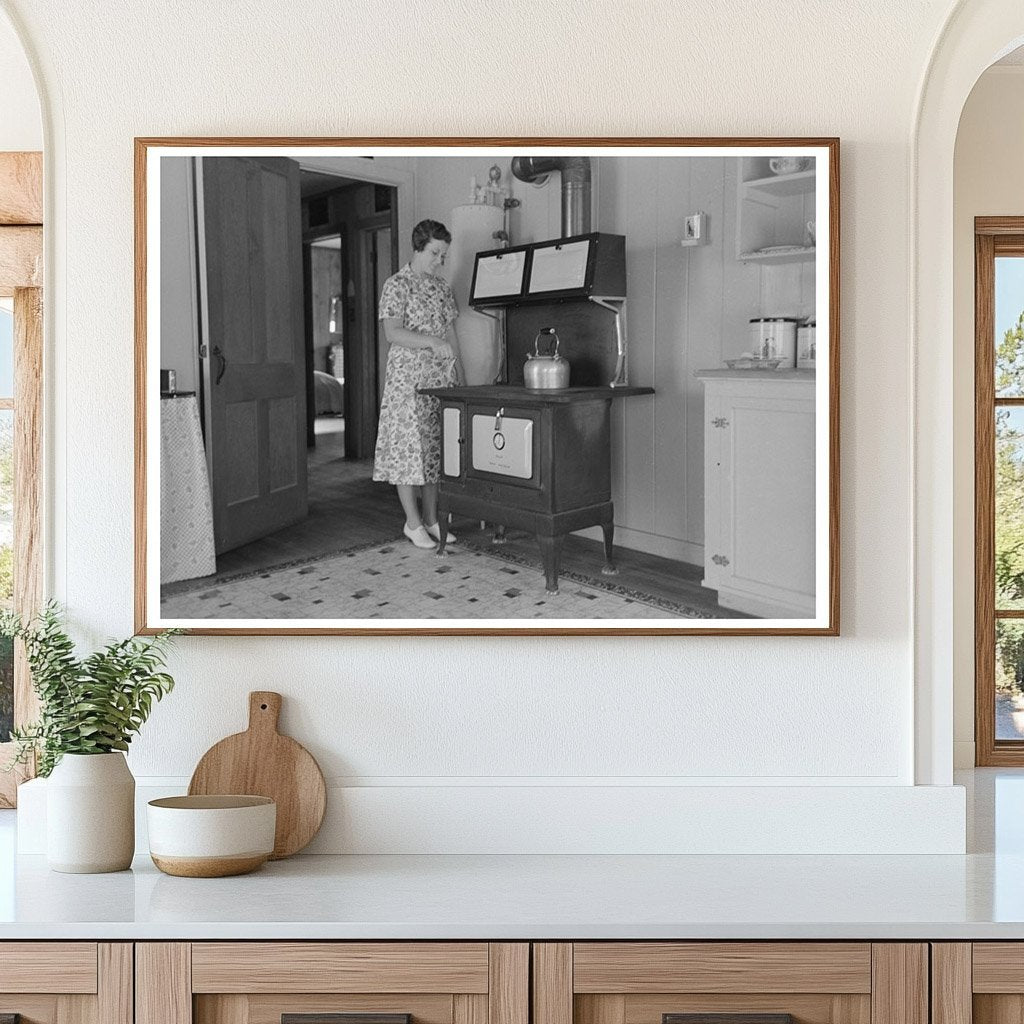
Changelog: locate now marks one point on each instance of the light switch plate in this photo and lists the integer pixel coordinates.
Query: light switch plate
(695, 229)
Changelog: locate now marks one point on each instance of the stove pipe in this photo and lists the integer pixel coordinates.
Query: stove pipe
(575, 171)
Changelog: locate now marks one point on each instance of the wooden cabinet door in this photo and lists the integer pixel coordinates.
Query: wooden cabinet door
(977, 983)
(332, 983)
(66, 982)
(733, 982)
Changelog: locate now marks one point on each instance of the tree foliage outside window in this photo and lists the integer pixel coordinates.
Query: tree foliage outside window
(1009, 509)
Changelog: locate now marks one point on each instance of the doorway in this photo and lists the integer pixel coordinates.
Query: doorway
(349, 248)
(349, 242)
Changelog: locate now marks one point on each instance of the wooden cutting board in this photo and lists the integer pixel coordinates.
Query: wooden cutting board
(262, 762)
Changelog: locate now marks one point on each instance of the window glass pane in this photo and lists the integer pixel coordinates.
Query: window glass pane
(1009, 326)
(6, 566)
(1009, 525)
(1009, 679)
(6, 353)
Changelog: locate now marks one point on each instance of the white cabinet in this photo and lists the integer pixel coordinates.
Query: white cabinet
(759, 491)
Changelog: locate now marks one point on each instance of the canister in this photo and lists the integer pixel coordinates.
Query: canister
(774, 337)
(806, 345)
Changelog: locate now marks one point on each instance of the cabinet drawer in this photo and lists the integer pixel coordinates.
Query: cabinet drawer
(64, 967)
(734, 982)
(635, 967)
(340, 967)
(332, 983)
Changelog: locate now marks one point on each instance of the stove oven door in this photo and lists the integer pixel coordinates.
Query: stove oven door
(503, 445)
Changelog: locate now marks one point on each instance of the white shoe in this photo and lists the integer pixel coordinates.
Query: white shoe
(419, 536)
(435, 532)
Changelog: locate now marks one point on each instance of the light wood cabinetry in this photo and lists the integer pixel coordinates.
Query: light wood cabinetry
(759, 491)
(651, 982)
(259, 982)
(66, 982)
(512, 982)
(977, 983)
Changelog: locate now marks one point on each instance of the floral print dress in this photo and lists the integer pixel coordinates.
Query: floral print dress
(409, 431)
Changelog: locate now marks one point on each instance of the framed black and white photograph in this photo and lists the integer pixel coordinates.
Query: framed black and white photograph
(498, 386)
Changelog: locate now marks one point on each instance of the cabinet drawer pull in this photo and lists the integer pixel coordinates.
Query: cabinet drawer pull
(341, 1018)
(10, 1018)
(726, 1018)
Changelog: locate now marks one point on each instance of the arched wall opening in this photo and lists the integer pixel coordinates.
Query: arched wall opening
(976, 35)
(986, 183)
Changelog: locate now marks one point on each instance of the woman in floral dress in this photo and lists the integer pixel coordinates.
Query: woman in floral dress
(418, 310)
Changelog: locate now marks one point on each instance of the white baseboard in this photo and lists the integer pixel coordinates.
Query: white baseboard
(618, 819)
(651, 544)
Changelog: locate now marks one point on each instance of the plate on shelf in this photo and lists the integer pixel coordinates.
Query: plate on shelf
(778, 251)
(749, 363)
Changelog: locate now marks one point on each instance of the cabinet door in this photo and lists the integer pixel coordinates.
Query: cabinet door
(978, 983)
(762, 557)
(332, 983)
(717, 547)
(66, 982)
(747, 982)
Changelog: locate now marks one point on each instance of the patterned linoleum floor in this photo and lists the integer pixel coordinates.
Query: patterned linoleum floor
(398, 581)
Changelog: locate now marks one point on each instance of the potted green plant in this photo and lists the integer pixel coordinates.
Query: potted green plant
(90, 708)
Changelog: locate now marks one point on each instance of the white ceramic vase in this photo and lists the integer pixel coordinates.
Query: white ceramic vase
(90, 814)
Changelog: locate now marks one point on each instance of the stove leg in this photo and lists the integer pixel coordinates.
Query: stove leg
(609, 568)
(551, 556)
(442, 522)
(499, 534)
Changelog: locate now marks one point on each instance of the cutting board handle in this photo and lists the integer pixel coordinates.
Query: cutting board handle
(264, 710)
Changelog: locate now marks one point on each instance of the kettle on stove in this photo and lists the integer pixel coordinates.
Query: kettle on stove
(545, 371)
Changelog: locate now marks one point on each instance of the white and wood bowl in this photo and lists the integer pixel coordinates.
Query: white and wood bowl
(211, 836)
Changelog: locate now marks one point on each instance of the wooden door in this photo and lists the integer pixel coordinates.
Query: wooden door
(253, 353)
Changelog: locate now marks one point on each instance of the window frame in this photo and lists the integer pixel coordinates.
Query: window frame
(993, 237)
(21, 255)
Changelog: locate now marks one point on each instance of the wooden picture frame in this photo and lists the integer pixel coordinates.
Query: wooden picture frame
(712, 490)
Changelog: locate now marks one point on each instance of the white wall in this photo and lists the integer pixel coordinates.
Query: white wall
(451, 714)
(987, 182)
(21, 127)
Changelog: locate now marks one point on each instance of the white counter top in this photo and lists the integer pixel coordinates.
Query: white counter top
(977, 896)
(497, 897)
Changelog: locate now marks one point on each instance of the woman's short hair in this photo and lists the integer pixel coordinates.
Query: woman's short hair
(427, 230)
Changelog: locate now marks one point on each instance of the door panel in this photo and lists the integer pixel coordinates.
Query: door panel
(254, 369)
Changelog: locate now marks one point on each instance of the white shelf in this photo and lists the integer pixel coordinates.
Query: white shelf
(797, 184)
